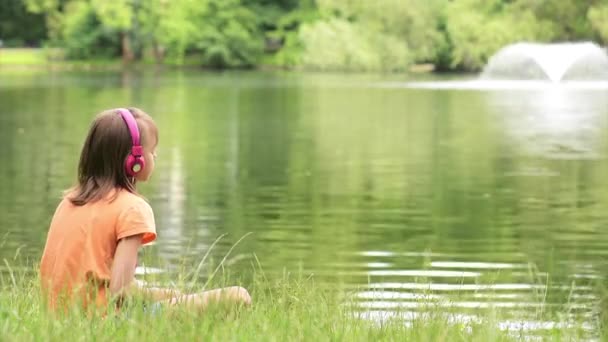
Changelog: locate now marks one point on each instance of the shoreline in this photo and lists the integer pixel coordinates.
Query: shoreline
(41, 59)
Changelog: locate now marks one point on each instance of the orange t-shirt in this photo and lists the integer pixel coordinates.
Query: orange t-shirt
(77, 259)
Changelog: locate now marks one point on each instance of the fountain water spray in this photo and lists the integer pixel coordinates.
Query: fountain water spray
(555, 62)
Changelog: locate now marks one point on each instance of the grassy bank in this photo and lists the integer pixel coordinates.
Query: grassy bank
(30, 57)
(285, 312)
(53, 59)
(286, 309)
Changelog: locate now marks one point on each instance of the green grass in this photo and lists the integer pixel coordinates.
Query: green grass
(34, 58)
(54, 59)
(14, 56)
(286, 309)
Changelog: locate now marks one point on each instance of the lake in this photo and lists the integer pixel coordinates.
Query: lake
(403, 194)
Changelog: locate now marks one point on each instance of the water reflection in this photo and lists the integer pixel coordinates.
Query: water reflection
(490, 86)
(424, 273)
(405, 196)
(474, 265)
(519, 329)
(170, 220)
(463, 201)
(417, 299)
(556, 122)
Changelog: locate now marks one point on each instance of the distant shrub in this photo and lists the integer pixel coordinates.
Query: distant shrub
(478, 28)
(337, 44)
(84, 37)
(228, 36)
(598, 16)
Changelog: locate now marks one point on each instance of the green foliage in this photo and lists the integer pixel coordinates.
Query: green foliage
(287, 32)
(291, 51)
(170, 27)
(116, 14)
(598, 16)
(222, 32)
(319, 34)
(227, 35)
(85, 37)
(18, 27)
(283, 4)
(337, 44)
(567, 19)
(52, 12)
(415, 21)
(479, 28)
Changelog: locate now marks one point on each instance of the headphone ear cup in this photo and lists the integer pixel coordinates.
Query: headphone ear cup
(138, 165)
(134, 165)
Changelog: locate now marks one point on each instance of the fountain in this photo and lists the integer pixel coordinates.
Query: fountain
(555, 62)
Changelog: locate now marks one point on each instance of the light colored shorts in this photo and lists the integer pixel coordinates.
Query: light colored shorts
(153, 308)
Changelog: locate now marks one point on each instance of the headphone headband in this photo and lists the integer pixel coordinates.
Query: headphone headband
(131, 124)
(134, 162)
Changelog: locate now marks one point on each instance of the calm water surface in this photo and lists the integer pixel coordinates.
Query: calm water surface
(459, 197)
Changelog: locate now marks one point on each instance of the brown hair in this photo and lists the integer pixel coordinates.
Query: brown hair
(101, 169)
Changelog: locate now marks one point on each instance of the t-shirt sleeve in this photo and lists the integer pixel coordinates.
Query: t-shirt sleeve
(137, 218)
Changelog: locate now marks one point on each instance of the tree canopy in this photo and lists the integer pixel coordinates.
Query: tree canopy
(317, 34)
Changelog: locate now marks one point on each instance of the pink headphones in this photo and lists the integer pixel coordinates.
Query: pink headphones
(134, 163)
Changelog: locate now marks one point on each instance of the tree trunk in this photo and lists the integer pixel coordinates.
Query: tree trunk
(127, 51)
(159, 52)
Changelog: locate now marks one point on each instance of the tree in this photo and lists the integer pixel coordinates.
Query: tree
(121, 16)
(479, 28)
(84, 36)
(227, 35)
(598, 16)
(52, 10)
(415, 22)
(170, 27)
(18, 26)
(566, 19)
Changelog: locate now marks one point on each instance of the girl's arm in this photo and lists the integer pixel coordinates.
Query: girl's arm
(123, 267)
(122, 281)
(123, 274)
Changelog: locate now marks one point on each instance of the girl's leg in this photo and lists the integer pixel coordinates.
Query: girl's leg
(234, 294)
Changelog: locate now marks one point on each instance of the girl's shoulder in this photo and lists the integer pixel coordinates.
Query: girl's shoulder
(126, 200)
(119, 199)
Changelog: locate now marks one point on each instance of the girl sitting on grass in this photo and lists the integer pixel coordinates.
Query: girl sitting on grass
(91, 249)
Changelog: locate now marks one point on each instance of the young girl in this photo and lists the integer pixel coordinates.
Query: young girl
(91, 249)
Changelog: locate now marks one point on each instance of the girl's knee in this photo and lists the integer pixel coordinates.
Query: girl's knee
(240, 294)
